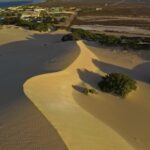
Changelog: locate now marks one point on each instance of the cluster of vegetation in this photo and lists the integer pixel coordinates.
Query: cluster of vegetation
(44, 22)
(30, 24)
(8, 18)
(87, 91)
(109, 40)
(34, 25)
(117, 83)
(8, 21)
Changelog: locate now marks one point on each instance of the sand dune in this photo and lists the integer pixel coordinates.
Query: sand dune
(63, 116)
(129, 117)
(22, 126)
(80, 119)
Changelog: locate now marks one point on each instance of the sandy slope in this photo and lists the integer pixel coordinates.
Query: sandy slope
(129, 117)
(22, 126)
(93, 122)
(83, 122)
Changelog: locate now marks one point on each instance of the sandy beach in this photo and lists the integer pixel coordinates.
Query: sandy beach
(41, 103)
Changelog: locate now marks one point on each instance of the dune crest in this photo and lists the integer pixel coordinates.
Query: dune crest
(52, 95)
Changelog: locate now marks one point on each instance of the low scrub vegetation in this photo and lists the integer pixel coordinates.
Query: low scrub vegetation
(87, 91)
(34, 26)
(117, 83)
(108, 40)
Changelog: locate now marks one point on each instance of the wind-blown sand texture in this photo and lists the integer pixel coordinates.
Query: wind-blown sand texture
(94, 122)
(64, 117)
(22, 126)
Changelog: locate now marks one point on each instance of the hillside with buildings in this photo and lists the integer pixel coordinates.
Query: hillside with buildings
(38, 18)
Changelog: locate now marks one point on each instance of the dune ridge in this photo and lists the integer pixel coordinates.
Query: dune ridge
(52, 94)
(22, 126)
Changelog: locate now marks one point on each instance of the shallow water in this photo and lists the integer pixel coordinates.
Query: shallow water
(4, 4)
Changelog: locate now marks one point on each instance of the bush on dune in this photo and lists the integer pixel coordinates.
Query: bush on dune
(67, 37)
(117, 83)
(87, 91)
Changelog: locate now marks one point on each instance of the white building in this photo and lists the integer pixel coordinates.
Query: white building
(30, 14)
(39, 9)
(99, 9)
(12, 8)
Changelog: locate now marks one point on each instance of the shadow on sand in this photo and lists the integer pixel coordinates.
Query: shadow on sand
(89, 77)
(140, 72)
(22, 126)
(128, 118)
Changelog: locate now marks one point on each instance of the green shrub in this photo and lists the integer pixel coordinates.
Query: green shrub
(92, 91)
(108, 40)
(87, 91)
(67, 37)
(132, 43)
(117, 83)
(34, 25)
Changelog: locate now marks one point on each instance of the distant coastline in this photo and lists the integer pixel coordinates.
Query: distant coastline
(19, 3)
